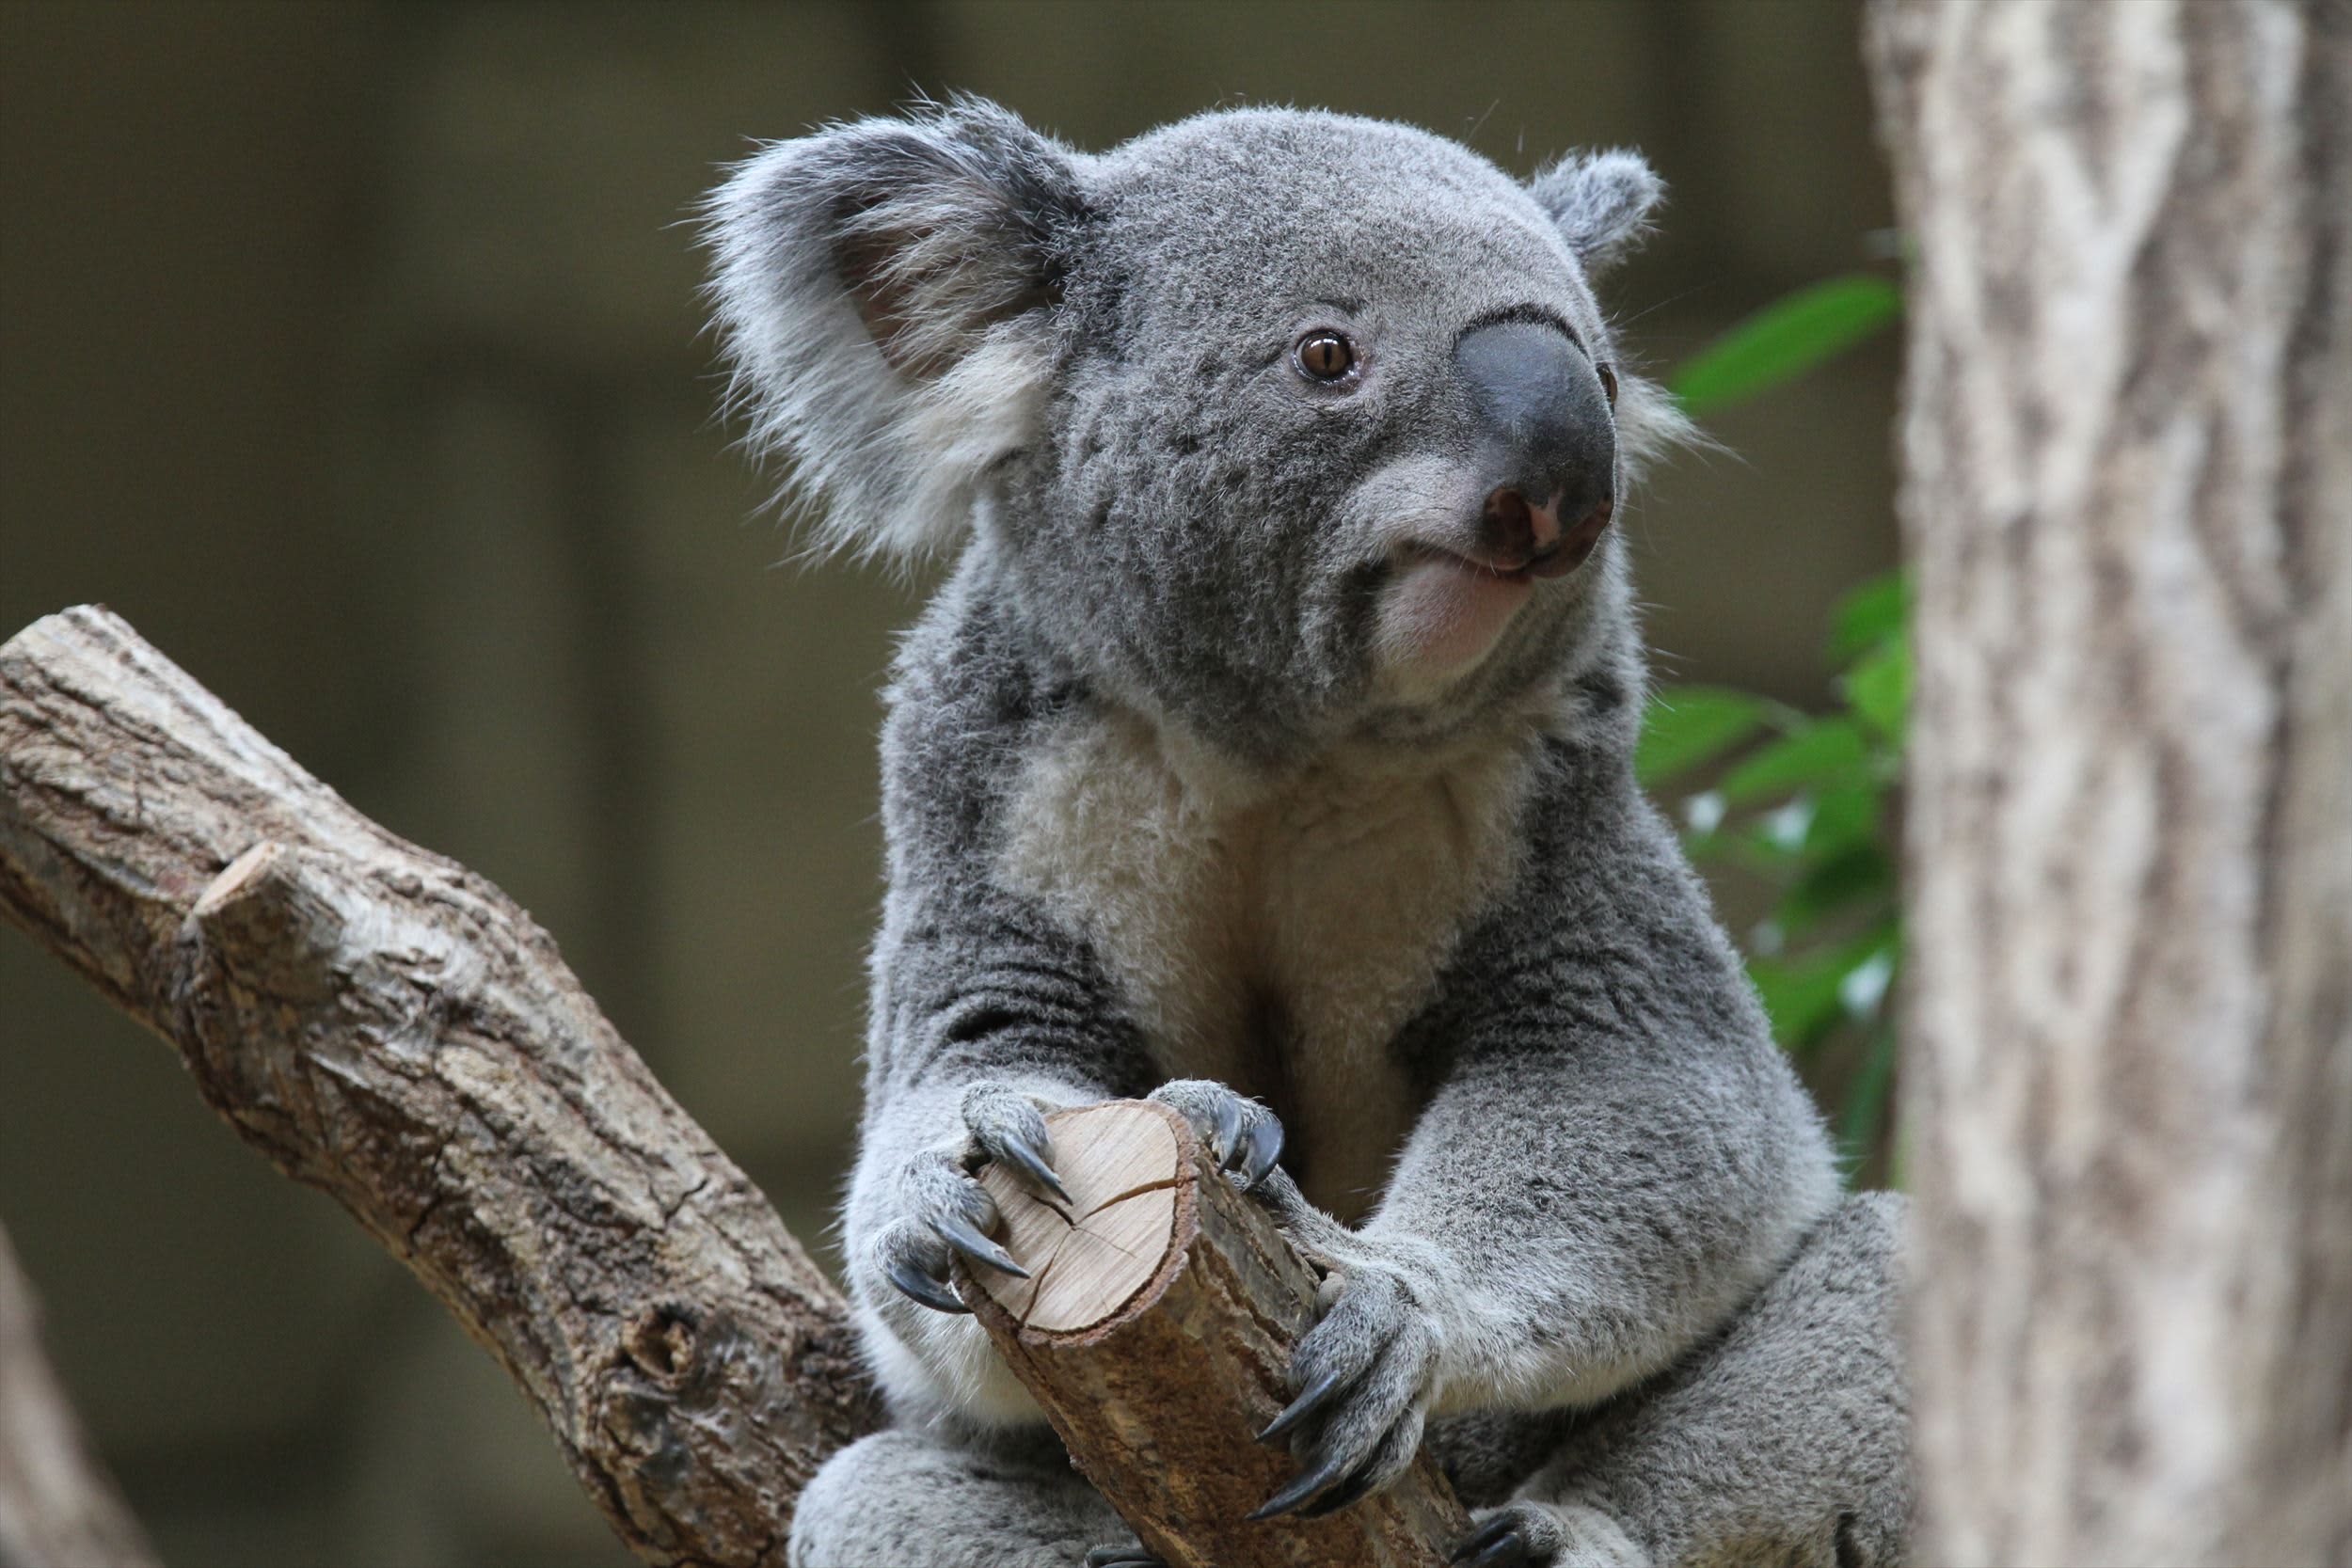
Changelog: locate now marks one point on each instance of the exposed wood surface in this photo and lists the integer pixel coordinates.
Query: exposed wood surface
(58, 1509)
(1155, 1330)
(390, 1028)
(2128, 502)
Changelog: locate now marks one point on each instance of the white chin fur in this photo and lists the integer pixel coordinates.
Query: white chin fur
(1441, 617)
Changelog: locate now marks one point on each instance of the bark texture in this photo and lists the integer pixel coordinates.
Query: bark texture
(57, 1507)
(2128, 500)
(389, 1027)
(1155, 1330)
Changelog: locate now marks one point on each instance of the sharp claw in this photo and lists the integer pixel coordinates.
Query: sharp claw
(933, 1293)
(1478, 1549)
(1300, 1490)
(1031, 1161)
(965, 1237)
(1228, 1135)
(1266, 1151)
(1122, 1557)
(1352, 1490)
(1509, 1552)
(1303, 1406)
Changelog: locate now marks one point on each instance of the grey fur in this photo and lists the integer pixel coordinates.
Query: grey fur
(1181, 572)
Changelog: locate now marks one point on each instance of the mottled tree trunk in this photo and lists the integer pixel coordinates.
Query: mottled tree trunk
(57, 1507)
(2128, 440)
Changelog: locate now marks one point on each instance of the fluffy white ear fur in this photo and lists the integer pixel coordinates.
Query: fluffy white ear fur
(1601, 202)
(882, 290)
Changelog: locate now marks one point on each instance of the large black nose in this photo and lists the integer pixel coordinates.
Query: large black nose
(1549, 461)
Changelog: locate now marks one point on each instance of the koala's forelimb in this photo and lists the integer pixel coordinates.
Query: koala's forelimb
(1154, 1324)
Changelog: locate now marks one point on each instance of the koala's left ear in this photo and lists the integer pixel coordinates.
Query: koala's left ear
(1601, 202)
(884, 287)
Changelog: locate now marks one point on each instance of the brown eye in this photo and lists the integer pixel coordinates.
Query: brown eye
(1325, 355)
(1608, 383)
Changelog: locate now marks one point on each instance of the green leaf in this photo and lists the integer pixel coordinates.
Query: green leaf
(1845, 816)
(1867, 1097)
(1785, 339)
(1869, 615)
(1809, 996)
(1879, 688)
(1688, 726)
(1863, 877)
(1800, 998)
(1826, 752)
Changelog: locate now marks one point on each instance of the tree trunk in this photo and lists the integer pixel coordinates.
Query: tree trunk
(2128, 502)
(57, 1507)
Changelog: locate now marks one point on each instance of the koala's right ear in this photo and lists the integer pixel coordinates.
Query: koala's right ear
(884, 290)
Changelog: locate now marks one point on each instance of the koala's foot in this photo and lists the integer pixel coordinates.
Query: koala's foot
(945, 1211)
(1539, 1535)
(1241, 1136)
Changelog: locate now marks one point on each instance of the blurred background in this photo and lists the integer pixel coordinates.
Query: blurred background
(353, 352)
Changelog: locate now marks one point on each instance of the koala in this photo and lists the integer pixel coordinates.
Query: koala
(1268, 753)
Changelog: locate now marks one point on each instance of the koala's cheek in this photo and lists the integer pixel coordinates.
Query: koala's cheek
(1440, 618)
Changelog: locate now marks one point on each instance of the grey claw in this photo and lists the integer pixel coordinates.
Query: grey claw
(1300, 1490)
(1497, 1545)
(1266, 1151)
(1303, 1406)
(1122, 1557)
(966, 1236)
(1228, 1135)
(1352, 1490)
(933, 1293)
(1031, 1161)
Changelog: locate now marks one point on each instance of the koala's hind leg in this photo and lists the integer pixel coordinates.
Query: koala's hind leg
(911, 1499)
(1786, 1441)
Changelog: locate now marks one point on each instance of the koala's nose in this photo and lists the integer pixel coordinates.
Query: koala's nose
(1549, 443)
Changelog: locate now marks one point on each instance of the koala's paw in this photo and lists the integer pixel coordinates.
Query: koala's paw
(943, 1210)
(1241, 1136)
(1362, 1376)
(1537, 1535)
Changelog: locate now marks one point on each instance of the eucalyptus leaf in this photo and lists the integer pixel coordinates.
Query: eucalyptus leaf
(1869, 615)
(1879, 688)
(1689, 726)
(1825, 751)
(1784, 340)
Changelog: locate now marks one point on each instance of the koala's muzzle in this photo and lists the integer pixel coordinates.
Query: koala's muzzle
(1550, 447)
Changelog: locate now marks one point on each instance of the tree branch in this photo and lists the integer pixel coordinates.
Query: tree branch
(1155, 1329)
(389, 1028)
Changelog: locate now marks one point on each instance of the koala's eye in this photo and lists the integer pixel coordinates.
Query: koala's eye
(1608, 383)
(1325, 355)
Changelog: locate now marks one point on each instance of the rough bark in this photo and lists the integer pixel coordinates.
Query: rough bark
(2128, 502)
(389, 1028)
(56, 1506)
(1155, 1330)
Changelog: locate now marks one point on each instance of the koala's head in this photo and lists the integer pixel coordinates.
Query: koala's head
(1282, 425)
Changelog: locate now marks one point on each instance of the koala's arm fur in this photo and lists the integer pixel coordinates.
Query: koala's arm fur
(1614, 1155)
(973, 986)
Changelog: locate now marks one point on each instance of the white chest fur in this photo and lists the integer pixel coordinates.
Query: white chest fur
(1273, 934)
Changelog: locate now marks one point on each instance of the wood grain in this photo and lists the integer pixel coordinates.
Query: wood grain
(1155, 1331)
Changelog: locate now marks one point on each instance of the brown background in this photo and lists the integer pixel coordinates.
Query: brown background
(353, 352)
